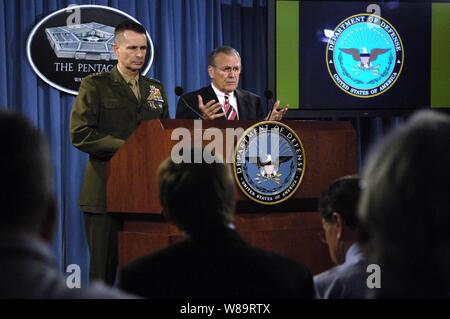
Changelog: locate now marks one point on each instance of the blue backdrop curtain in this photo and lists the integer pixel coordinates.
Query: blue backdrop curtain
(183, 33)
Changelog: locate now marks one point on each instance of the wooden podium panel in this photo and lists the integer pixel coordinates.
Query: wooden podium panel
(289, 228)
(291, 234)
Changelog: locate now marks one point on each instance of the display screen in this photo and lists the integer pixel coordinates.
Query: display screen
(360, 56)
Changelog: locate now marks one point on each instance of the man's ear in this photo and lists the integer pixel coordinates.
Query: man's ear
(339, 224)
(210, 71)
(116, 49)
(47, 230)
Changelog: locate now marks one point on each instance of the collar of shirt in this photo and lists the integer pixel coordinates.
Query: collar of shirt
(231, 98)
(354, 254)
(128, 78)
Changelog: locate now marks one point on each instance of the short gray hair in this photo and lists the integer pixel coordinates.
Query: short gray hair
(225, 49)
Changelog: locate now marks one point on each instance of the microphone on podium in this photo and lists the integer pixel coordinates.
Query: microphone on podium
(269, 96)
(179, 92)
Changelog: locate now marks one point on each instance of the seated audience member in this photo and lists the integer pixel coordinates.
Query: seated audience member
(27, 219)
(337, 207)
(222, 99)
(405, 206)
(213, 261)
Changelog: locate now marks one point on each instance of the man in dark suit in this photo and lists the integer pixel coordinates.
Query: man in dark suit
(27, 219)
(213, 261)
(107, 110)
(222, 99)
(338, 210)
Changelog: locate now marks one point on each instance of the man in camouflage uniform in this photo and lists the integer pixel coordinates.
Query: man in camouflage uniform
(109, 107)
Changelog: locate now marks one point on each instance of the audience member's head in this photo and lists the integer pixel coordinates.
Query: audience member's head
(337, 207)
(198, 197)
(28, 216)
(25, 179)
(405, 206)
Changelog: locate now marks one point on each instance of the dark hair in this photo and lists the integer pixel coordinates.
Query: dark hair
(341, 196)
(25, 179)
(225, 49)
(405, 206)
(128, 25)
(199, 197)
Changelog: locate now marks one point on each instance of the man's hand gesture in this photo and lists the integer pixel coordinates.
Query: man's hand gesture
(210, 110)
(276, 114)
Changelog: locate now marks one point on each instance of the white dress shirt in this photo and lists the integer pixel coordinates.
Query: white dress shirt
(231, 99)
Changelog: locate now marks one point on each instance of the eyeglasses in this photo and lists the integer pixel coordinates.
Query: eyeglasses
(229, 69)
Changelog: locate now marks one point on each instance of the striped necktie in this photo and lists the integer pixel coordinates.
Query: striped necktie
(230, 112)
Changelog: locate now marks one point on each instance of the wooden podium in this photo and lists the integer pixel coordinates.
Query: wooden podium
(290, 228)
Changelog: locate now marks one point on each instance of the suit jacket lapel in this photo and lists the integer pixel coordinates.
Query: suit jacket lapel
(122, 86)
(242, 104)
(209, 95)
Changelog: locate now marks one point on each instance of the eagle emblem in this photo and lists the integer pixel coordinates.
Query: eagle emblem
(364, 58)
(268, 168)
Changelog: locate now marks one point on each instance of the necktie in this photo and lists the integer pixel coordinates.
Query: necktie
(135, 88)
(230, 112)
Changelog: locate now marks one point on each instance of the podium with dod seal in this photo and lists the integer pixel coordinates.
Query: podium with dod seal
(277, 192)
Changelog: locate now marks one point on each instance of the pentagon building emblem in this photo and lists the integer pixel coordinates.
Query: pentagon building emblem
(90, 41)
(364, 55)
(69, 44)
(269, 162)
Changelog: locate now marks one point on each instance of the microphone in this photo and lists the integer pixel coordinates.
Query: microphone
(269, 96)
(179, 92)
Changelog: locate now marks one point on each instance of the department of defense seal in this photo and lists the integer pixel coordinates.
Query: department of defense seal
(364, 55)
(269, 162)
